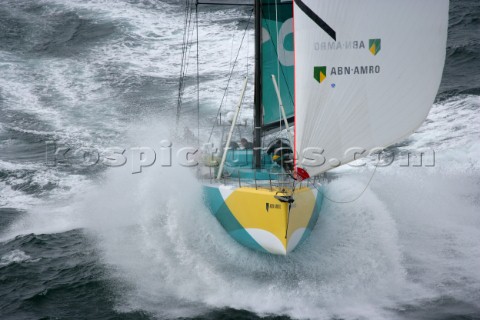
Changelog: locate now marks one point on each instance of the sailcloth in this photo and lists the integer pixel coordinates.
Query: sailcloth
(277, 59)
(366, 74)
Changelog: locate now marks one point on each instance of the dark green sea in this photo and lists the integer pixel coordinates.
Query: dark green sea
(82, 241)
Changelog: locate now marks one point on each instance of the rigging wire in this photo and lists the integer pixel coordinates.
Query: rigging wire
(240, 130)
(198, 78)
(357, 197)
(278, 76)
(231, 74)
(230, 63)
(183, 58)
(188, 31)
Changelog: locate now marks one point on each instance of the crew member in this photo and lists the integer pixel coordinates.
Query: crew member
(246, 144)
(282, 154)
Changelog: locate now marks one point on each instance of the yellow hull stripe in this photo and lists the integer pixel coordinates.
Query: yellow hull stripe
(267, 218)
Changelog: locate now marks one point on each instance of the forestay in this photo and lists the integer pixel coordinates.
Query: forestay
(366, 74)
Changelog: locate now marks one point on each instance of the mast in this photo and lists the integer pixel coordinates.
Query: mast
(257, 131)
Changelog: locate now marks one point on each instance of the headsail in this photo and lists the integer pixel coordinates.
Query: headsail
(369, 83)
(277, 59)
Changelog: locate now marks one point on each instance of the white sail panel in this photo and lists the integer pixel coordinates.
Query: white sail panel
(366, 74)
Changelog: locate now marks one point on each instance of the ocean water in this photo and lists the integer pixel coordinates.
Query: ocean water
(79, 240)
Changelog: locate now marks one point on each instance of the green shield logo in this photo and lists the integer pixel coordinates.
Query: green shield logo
(320, 73)
(375, 45)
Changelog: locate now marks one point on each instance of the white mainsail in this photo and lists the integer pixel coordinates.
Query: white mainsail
(366, 74)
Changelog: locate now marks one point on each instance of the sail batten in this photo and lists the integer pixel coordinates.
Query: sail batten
(374, 84)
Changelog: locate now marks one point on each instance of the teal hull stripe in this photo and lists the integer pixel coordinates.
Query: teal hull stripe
(220, 210)
(216, 203)
(314, 218)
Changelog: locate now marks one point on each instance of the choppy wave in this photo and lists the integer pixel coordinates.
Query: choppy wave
(15, 256)
(90, 74)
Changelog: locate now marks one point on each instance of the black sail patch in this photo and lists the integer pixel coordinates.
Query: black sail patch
(312, 15)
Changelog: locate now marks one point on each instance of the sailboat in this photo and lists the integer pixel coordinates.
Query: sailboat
(349, 77)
